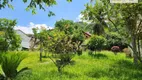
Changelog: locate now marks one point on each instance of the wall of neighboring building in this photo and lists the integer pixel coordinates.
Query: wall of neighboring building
(25, 39)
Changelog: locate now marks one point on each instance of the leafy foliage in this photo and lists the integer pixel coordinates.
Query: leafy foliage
(115, 49)
(58, 42)
(96, 43)
(65, 25)
(131, 15)
(10, 63)
(104, 65)
(75, 30)
(95, 28)
(78, 36)
(62, 45)
(114, 39)
(117, 16)
(9, 40)
(32, 5)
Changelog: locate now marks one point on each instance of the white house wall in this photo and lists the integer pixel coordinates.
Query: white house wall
(25, 39)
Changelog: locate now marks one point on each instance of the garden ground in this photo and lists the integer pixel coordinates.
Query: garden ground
(101, 66)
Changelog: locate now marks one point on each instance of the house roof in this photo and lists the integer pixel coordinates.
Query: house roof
(87, 33)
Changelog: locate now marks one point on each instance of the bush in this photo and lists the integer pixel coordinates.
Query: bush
(114, 39)
(10, 63)
(115, 49)
(96, 43)
(128, 52)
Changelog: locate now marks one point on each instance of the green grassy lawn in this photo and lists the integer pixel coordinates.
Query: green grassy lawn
(102, 66)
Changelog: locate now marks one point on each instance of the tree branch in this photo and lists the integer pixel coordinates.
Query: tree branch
(139, 27)
(53, 61)
(113, 24)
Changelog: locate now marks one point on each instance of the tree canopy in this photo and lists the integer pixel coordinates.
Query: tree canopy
(128, 16)
(32, 5)
(9, 40)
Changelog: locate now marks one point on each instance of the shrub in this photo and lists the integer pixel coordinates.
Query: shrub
(114, 39)
(128, 52)
(10, 63)
(115, 49)
(96, 43)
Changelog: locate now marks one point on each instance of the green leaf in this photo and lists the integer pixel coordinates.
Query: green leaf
(24, 1)
(51, 14)
(69, 0)
(33, 12)
(27, 9)
(10, 6)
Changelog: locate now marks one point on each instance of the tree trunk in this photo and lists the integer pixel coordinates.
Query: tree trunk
(139, 50)
(134, 49)
(138, 42)
(45, 53)
(95, 52)
(41, 50)
(41, 53)
(59, 69)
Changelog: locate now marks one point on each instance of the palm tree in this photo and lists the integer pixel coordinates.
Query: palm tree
(95, 28)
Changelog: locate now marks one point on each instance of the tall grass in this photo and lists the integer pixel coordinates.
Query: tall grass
(101, 66)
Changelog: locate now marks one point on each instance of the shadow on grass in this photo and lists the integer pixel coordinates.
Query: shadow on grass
(69, 75)
(24, 74)
(72, 62)
(121, 70)
(98, 55)
(62, 75)
(126, 64)
(96, 73)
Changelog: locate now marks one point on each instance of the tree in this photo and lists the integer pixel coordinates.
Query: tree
(9, 40)
(65, 25)
(95, 28)
(72, 29)
(132, 15)
(96, 15)
(33, 5)
(68, 27)
(63, 41)
(128, 15)
(78, 36)
(34, 40)
(41, 38)
(62, 45)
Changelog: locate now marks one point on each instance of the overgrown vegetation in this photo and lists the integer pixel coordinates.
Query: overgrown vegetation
(9, 40)
(125, 19)
(103, 66)
(9, 64)
(96, 43)
(113, 27)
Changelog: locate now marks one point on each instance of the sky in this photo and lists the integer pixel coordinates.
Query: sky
(26, 21)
